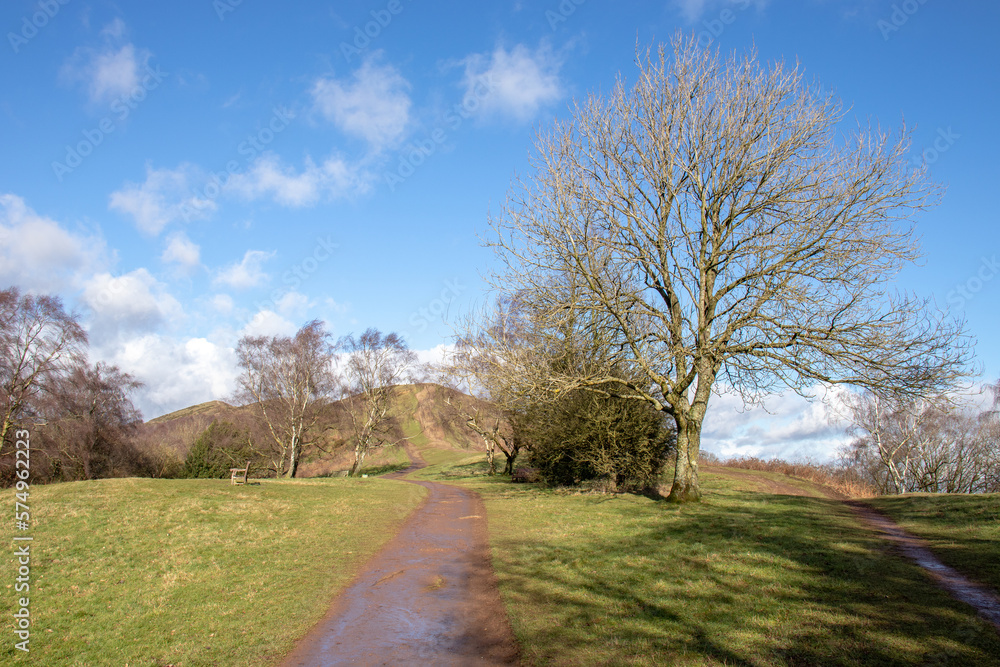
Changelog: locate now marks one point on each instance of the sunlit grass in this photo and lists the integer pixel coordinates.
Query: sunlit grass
(191, 572)
(743, 578)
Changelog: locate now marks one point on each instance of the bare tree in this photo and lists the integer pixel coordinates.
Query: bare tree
(39, 343)
(937, 445)
(284, 378)
(710, 224)
(92, 423)
(374, 364)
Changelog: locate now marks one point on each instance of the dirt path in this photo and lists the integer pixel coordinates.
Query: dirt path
(429, 597)
(984, 600)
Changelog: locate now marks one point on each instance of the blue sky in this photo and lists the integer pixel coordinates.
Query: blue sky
(184, 173)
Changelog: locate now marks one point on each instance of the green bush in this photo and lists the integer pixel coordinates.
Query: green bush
(220, 447)
(621, 444)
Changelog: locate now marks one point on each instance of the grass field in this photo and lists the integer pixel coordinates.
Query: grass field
(190, 572)
(962, 530)
(743, 578)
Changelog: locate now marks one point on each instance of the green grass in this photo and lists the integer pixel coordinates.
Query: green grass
(963, 530)
(191, 572)
(743, 578)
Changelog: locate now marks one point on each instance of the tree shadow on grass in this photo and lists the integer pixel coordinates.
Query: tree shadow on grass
(744, 579)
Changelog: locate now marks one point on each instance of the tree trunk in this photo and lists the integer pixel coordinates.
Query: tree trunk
(509, 467)
(293, 459)
(490, 453)
(359, 456)
(686, 487)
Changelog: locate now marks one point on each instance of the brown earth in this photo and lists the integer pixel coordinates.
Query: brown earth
(430, 597)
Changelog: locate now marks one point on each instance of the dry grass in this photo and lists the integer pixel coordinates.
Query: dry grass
(845, 482)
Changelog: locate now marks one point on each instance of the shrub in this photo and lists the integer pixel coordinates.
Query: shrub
(583, 436)
(220, 447)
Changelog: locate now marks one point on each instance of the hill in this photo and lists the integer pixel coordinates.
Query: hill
(418, 410)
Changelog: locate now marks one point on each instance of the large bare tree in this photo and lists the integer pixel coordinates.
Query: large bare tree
(719, 223)
(374, 363)
(284, 378)
(39, 344)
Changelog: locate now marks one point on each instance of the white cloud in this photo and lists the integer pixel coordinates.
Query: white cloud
(787, 426)
(270, 177)
(373, 105)
(223, 304)
(110, 72)
(268, 323)
(135, 301)
(513, 83)
(293, 304)
(37, 253)
(246, 273)
(182, 251)
(164, 197)
(176, 373)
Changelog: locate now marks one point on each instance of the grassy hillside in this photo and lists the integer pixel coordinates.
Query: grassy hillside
(191, 572)
(417, 409)
(747, 577)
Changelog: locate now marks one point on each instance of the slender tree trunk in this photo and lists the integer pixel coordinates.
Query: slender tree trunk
(359, 457)
(686, 487)
(293, 458)
(3, 435)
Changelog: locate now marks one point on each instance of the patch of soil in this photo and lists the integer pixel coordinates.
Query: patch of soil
(429, 597)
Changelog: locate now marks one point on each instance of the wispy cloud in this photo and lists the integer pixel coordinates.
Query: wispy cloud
(246, 273)
(520, 81)
(182, 252)
(372, 104)
(270, 177)
(165, 196)
(110, 71)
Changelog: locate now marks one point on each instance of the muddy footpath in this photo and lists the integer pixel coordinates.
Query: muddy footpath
(429, 597)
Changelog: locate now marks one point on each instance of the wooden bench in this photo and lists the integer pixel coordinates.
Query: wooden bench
(239, 475)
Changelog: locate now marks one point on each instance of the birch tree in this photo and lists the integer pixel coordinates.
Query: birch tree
(285, 378)
(374, 364)
(717, 221)
(39, 345)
